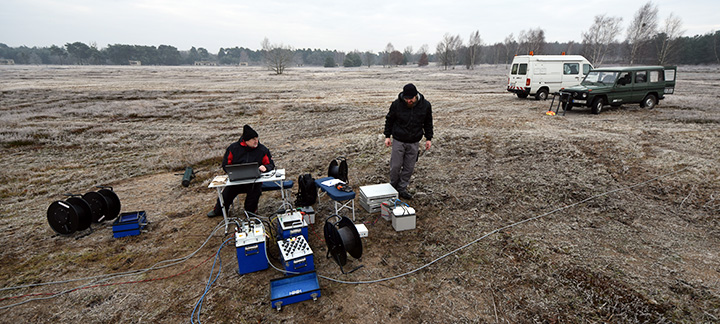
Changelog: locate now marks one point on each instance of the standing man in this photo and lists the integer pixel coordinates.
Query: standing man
(409, 118)
(246, 150)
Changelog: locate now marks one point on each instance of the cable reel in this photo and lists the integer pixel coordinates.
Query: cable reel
(341, 238)
(338, 169)
(77, 212)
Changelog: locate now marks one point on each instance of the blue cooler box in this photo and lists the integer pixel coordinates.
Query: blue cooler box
(296, 255)
(129, 224)
(292, 224)
(294, 289)
(250, 248)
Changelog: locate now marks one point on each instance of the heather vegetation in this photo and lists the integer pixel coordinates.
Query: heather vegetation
(628, 199)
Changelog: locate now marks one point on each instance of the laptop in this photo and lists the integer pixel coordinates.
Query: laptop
(244, 171)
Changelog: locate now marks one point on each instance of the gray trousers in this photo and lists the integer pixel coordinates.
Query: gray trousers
(402, 163)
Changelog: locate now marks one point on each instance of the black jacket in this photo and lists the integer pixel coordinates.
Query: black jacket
(239, 152)
(409, 124)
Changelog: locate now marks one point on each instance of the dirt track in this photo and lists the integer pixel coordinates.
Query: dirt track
(642, 248)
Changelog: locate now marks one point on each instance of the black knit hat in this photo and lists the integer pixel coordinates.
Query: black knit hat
(248, 133)
(409, 91)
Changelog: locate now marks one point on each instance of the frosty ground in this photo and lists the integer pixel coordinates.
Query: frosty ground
(623, 207)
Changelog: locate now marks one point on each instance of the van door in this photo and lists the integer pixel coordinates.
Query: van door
(516, 80)
(623, 89)
(641, 86)
(670, 74)
(571, 75)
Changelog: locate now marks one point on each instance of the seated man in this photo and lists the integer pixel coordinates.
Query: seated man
(246, 150)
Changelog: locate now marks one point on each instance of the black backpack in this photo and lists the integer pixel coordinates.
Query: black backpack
(307, 192)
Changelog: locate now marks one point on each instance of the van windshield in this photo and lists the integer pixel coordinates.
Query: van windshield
(596, 77)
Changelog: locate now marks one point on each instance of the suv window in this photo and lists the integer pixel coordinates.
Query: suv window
(670, 75)
(571, 68)
(522, 69)
(641, 77)
(586, 68)
(655, 76)
(624, 79)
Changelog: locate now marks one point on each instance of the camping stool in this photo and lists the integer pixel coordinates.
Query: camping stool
(286, 191)
(342, 199)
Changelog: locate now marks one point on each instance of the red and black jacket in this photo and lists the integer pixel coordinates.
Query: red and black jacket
(239, 152)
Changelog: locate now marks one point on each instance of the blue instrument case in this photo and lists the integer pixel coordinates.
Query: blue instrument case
(129, 224)
(294, 289)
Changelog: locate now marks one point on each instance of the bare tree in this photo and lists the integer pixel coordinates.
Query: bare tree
(715, 45)
(474, 45)
(408, 54)
(396, 58)
(422, 55)
(369, 58)
(671, 31)
(641, 29)
(277, 57)
(598, 38)
(389, 48)
(447, 50)
(423, 49)
(532, 40)
(511, 46)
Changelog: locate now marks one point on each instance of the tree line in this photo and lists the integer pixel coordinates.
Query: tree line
(647, 41)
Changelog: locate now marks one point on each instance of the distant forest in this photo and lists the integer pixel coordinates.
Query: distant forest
(699, 49)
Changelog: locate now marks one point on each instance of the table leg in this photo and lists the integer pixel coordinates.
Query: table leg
(222, 206)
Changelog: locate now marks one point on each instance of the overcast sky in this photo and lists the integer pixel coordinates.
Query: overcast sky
(320, 24)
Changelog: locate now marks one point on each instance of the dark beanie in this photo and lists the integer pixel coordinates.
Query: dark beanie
(248, 133)
(409, 91)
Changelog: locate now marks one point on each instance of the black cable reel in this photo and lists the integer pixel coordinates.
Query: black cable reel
(341, 238)
(338, 169)
(77, 212)
(73, 214)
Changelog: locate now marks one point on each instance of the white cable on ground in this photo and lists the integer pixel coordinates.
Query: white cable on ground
(503, 228)
(106, 277)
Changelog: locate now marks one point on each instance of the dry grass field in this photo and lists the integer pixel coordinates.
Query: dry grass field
(623, 208)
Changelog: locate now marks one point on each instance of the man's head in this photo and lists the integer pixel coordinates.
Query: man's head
(409, 94)
(250, 136)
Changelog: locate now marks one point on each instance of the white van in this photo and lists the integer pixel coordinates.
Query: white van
(540, 75)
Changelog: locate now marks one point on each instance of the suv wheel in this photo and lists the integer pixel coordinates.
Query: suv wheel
(649, 102)
(597, 105)
(568, 106)
(542, 94)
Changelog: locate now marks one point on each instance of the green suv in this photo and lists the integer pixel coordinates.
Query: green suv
(646, 85)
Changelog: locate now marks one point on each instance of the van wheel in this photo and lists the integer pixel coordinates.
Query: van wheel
(597, 105)
(522, 95)
(649, 102)
(542, 94)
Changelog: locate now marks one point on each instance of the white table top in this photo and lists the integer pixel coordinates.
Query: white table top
(222, 180)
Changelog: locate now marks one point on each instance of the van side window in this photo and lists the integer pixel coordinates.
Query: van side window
(514, 69)
(571, 68)
(586, 68)
(523, 69)
(640, 76)
(655, 76)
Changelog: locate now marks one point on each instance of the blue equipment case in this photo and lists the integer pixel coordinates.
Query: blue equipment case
(292, 224)
(294, 289)
(250, 248)
(129, 224)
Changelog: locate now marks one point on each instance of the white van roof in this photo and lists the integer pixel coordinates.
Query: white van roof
(554, 58)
